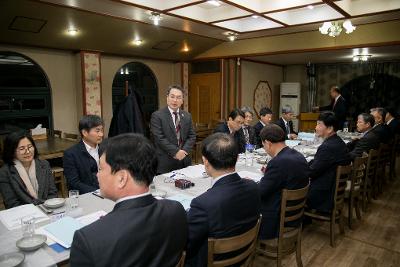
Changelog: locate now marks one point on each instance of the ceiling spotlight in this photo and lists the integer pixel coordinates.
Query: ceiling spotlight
(255, 16)
(214, 3)
(232, 36)
(137, 42)
(361, 58)
(155, 17)
(310, 7)
(72, 31)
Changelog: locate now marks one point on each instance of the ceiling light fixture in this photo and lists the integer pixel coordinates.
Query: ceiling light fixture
(232, 36)
(214, 3)
(137, 42)
(334, 29)
(255, 16)
(155, 17)
(72, 31)
(357, 58)
(310, 7)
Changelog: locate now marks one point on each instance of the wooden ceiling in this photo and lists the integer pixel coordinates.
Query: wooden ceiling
(188, 27)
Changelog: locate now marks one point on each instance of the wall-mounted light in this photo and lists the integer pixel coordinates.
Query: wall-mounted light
(357, 58)
(72, 31)
(137, 42)
(155, 17)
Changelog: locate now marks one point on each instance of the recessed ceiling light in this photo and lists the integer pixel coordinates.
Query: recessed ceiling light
(310, 7)
(185, 49)
(214, 3)
(137, 42)
(232, 36)
(255, 16)
(72, 31)
(155, 17)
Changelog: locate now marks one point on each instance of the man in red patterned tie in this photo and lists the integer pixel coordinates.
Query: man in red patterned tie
(173, 133)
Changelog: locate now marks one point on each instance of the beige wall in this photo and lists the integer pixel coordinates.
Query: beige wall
(252, 73)
(63, 70)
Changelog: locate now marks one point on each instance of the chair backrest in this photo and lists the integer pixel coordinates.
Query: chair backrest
(371, 166)
(57, 133)
(233, 244)
(343, 173)
(292, 209)
(384, 154)
(70, 136)
(359, 171)
(181, 262)
(396, 145)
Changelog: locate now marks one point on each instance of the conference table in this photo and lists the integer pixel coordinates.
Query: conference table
(53, 147)
(163, 187)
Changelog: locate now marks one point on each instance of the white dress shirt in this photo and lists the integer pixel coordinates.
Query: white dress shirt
(172, 115)
(132, 197)
(218, 178)
(94, 152)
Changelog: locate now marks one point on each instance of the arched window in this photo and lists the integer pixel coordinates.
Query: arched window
(25, 98)
(138, 77)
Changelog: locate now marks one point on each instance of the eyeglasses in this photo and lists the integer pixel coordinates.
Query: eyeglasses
(24, 149)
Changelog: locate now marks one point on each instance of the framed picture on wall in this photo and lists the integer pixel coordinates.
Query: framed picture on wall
(91, 83)
(262, 96)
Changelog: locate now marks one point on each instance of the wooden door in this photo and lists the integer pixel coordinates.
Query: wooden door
(205, 97)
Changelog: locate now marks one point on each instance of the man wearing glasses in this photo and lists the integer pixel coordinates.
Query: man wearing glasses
(173, 133)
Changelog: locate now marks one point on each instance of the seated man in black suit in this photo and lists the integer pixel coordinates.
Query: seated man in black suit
(232, 126)
(81, 162)
(248, 131)
(140, 230)
(380, 128)
(230, 207)
(337, 105)
(330, 154)
(285, 122)
(369, 140)
(265, 119)
(392, 121)
(288, 169)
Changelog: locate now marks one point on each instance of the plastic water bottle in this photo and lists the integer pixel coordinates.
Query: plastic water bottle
(249, 154)
(345, 127)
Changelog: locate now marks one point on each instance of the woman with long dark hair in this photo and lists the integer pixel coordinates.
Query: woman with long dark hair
(24, 178)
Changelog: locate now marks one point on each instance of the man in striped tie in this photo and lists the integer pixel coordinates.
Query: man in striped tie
(173, 133)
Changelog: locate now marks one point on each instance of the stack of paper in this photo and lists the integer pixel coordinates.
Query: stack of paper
(256, 177)
(11, 218)
(183, 199)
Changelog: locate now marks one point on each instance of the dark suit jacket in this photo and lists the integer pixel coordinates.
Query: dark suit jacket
(164, 135)
(287, 170)
(394, 127)
(383, 132)
(238, 135)
(281, 123)
(330, 154)
(369, 141)
(80, 169)
(137, 232)
(14, 191)
(229, 208)
(339, 109)
(257, 129)
(252, 134)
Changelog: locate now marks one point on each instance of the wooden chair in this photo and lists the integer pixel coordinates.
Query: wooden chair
(369, 179)
(181, 262)
(232, 244)
(289, 239)
(69, 136)
(343, 173)
(383, 159)
(196, 153)
(395, 152)
(57, 133)
(59, 180)
(353, 188)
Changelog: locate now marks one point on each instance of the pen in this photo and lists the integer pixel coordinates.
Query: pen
(93, 193)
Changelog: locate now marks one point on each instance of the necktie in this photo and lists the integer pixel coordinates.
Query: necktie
(287, 128)
(246, 134)
(178, 128)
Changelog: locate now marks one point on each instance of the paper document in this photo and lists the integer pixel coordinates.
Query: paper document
(11, 218)
(62, 231)
(183, 199)
(92, 217)
(195, 171)
(292, 143)
(256, 177)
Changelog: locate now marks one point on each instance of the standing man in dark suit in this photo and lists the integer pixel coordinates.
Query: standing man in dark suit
(233, 126)
(369, 140)
(265, 119)
(330, 154)
(380, 128)
(392, 121)
(248, 131)
(230, 207)
(288, 169)
(173, 133)
(285, 122)
(337, 105)
(81, 162)
(140, 230)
